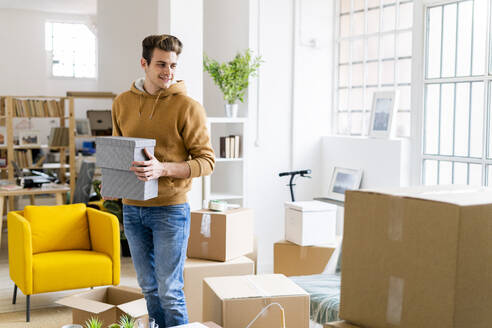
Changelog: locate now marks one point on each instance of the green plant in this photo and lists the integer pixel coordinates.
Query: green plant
(127, 322)
(93, 323)
(114, 325)
(232, 78)
(113, 206)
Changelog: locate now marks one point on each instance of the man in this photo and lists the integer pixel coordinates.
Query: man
(157, 229)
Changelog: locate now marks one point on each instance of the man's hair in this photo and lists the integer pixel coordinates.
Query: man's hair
(164, 42)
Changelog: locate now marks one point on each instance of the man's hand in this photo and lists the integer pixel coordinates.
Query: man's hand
(148, 170)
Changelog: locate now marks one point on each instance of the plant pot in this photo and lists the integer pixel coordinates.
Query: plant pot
(125, 248)
(231, 110)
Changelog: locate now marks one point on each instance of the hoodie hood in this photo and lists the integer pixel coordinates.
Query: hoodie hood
(177, 88)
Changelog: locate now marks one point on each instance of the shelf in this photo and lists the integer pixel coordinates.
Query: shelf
(220, 159)
(227, 119)
(35, 147)
(217, 196)
(84, 137)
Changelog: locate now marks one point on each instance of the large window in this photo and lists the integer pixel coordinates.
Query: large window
(374, 53)
(72, 49)
(457, 146)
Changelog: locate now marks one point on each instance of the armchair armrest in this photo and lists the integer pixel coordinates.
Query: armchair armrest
(104, 230)
(20, 251)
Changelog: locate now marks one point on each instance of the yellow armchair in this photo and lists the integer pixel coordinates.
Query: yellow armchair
(54, 248)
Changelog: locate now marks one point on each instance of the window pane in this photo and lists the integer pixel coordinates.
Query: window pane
(344, 52)
(434, 43)
(358, 4)
(402, 124)
(358, 50)
(388, 72)
(462, 119)
(431, 119)
(373, 3)
(389, 18)
(388, 46)
(489, 175)
(356, 99)
(464, 38)
(445, 172)
(490, 124)
(372, 48)
(405, 71)
(357, 75)
(372, 73)
(342, 99)
(344, 6)
(447, 113)
(344, 26)
(406, 16)
(477, 118)
(343, 75)
(343, 123)
(475, 175)
(373, 21)
(405, 44)
(449, 41)
(356, 123)
(358, 23)
(430, 172)
(404, 97)
(368, 98)
(479, 36)
(460, 173)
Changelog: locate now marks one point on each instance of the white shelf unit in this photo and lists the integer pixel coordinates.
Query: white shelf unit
(228, 181)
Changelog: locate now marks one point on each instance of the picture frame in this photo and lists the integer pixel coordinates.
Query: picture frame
(29, 138)
(383, 110)
(343, 179)
(82, 127)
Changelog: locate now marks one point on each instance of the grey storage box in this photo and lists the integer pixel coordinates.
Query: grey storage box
(114, 155)
(125, 184)
(120, 152)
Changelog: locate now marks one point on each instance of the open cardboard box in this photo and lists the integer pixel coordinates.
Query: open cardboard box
(107, 304)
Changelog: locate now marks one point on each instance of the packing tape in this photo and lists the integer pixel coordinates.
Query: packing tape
(267, 298)
(395, 228)
(204, 247)
(395, 300)
(205, 226)
(304, 252)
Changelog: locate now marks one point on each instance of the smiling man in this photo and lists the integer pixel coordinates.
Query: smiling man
(157, 229)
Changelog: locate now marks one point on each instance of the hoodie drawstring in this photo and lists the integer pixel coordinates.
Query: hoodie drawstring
(155, 103)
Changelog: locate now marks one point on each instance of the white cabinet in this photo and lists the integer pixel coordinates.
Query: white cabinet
(228, 181)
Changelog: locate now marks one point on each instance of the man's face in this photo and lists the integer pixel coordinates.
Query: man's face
(160, 71)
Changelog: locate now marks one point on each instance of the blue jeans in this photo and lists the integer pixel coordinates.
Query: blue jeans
(158, 239)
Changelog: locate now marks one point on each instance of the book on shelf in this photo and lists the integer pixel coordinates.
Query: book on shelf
(37, 108)
(230, 146)
(59, 137)
(23, 157)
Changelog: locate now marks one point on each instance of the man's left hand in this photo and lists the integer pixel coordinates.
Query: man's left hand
(148, 170)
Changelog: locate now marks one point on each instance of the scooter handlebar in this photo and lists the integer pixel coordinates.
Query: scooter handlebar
(302, 172)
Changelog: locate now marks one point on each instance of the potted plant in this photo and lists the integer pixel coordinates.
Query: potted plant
(127, 322)
(232, 77)
(114, 207)
(93, 323)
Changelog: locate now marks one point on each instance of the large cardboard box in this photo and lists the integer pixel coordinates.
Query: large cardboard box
(107, 304)
(235, 301)
(293, 260)
(195, 270)
(221, 236)
(418, 257)
(310, 222)
(339, 324)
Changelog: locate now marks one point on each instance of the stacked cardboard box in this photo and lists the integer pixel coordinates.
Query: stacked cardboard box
(115, 156)
(310, 233)
(216, 247)
(418, 257)
(339, 324)
(236, 301)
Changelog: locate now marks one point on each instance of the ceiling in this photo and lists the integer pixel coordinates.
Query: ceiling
(80, 7)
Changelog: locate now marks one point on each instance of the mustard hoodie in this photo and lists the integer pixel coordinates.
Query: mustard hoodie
(178, 123)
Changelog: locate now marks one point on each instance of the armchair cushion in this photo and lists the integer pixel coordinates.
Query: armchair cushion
(57, 228)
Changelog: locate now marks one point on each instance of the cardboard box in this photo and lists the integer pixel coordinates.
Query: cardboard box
(195, 270)
(339, 324)
(310, 223)
(293, 260)
(119, 152)
(107, 304)
(221, 236)
(235, 301)
(418, 257)
(114, 155)
(199, 325)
